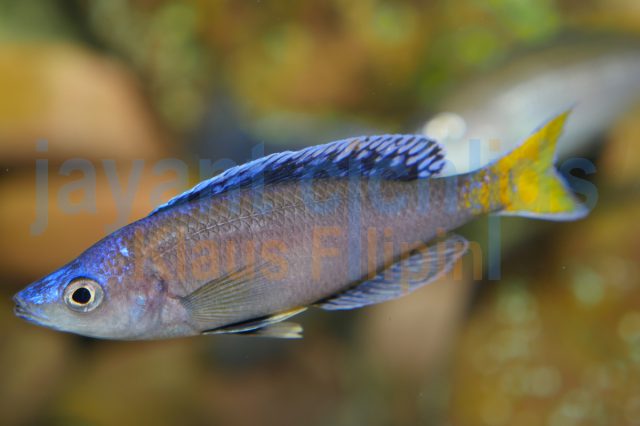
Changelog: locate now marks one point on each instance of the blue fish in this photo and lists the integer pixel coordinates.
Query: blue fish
(336, 226)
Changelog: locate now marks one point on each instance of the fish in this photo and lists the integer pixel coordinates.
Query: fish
(337, 226)
(598, 73)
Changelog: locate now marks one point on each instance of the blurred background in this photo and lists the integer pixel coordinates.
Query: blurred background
(92, 86)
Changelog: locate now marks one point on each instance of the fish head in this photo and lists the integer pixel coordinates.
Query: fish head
(65, 300)
(97, 295)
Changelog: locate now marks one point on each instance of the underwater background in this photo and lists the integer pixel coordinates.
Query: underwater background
(544, 329)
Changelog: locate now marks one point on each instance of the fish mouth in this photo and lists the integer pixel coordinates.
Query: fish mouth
(21, 310)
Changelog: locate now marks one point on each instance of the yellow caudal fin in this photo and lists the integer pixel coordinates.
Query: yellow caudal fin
(529, 183)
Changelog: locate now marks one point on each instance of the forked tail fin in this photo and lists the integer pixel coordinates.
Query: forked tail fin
(530, 185)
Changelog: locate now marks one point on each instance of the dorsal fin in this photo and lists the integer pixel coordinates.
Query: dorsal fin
(393, 157)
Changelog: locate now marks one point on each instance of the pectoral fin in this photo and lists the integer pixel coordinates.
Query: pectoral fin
(223, 297)
(270, 326)
(415, 270)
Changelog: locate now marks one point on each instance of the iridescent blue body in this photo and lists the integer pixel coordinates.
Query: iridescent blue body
(338, 226)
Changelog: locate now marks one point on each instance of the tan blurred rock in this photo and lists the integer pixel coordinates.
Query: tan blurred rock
(621, 153)
(31, 248)
(152, 383)
(410, 336)
(85, 106)
(33, 364)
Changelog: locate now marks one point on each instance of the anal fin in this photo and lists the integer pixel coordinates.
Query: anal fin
(415, 270)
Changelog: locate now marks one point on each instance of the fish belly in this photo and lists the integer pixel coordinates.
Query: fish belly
(333, 233)
(311, 240)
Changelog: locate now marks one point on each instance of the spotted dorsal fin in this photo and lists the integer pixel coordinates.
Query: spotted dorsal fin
(392, 157)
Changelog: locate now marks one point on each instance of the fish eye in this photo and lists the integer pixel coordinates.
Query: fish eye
(83, 295)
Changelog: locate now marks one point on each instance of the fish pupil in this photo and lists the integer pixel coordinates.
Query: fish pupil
(81, 296)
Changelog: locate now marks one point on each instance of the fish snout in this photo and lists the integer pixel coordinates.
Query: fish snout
(20, 308)
(24, 310)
